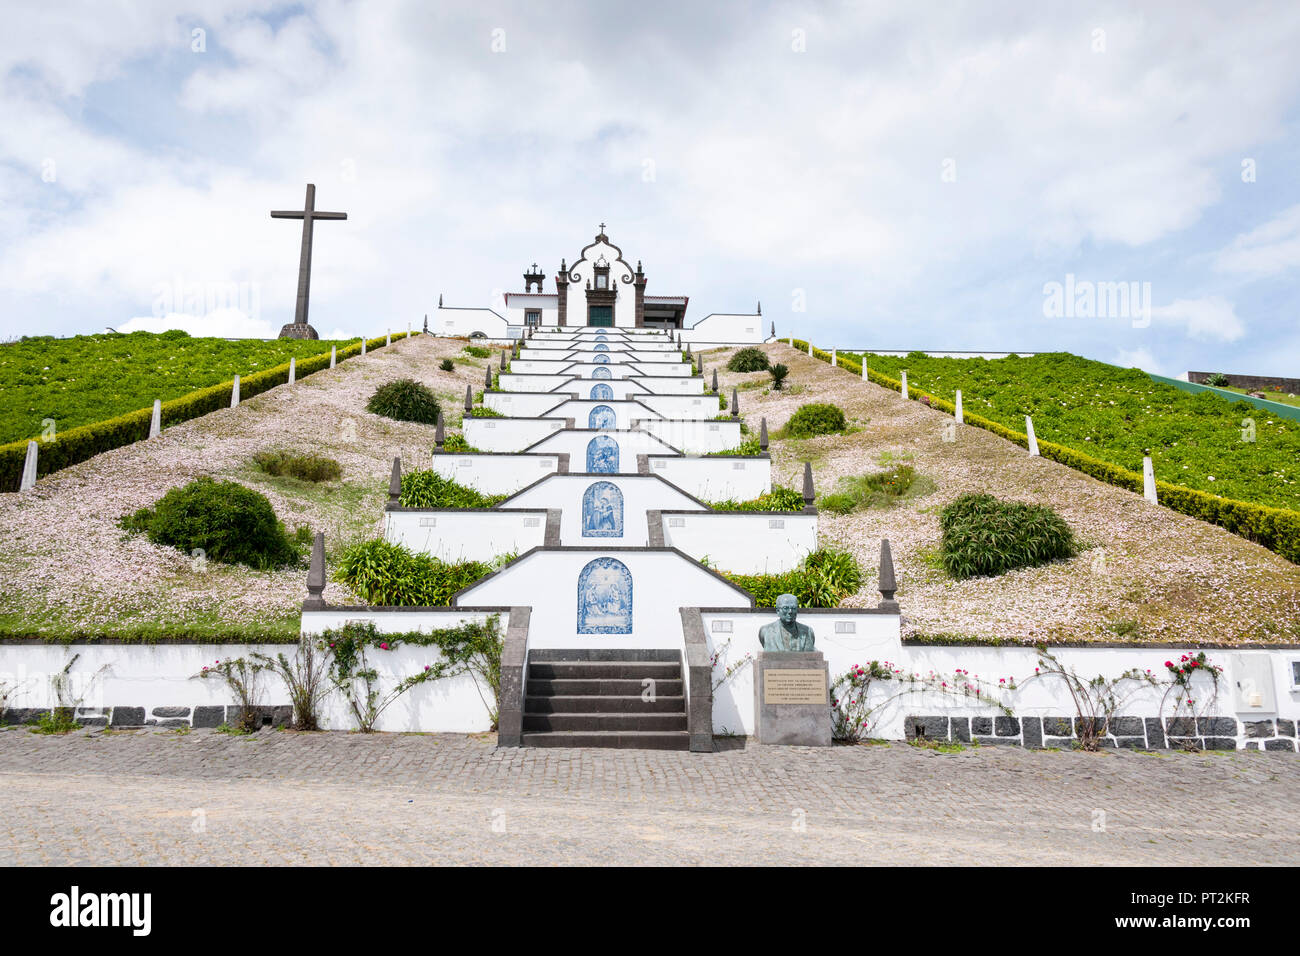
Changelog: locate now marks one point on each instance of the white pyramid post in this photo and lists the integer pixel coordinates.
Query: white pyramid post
(1149, 481)
(865, 376)
(388, 337)
(903, 384)
(29, 468)
(234, 393)
(293, 369)
(1029, 431)
(334, 356)
(363, 345)
(834, 358)
(408, 330)
(957, 413)
(155, 420)
(792, 341)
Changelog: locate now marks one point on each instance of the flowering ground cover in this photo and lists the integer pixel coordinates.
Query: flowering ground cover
(1119, 415)
(88, 378)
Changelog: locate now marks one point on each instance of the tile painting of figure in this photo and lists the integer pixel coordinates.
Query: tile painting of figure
(605, 598)
(602, 456)
(602, 416)
(602, 511)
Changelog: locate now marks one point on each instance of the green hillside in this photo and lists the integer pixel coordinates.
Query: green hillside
(1119, 415)
(88, 378)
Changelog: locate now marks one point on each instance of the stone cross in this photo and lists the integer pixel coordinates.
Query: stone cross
(308, 214)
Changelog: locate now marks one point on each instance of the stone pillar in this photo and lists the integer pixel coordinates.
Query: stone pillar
(562, 288)
(28, 481)
(155, 420)
(903, 380)
(835, 361)
(957, 413)
(316, 575)
(293, 369)
(388, 337)
(639, 281)
(1029, 433)
(1149, 481)
(234, 393)
(334, 355)
(810, 349)
(395, 483)
(363, 345)
(864, 367)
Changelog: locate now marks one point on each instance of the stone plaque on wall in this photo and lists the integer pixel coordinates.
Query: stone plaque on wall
(794, 687)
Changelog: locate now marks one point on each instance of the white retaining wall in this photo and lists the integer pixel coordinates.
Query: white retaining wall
(456, 536)
(495, 474)
(743, 542)
(508, 434)
(694, 437)
(522, 404)
(640, 494)
(717, 478)
(630, 444)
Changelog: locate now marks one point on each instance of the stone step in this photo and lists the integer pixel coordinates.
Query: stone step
(622, 739)
(559, 704)
(594, 687)
(605, 722)
(548, 670)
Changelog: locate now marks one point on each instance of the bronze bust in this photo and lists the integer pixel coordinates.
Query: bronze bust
(786, 634)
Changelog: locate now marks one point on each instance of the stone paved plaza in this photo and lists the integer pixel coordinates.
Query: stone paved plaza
(155, 797)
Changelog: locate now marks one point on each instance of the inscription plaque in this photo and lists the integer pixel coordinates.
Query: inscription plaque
(794, 686)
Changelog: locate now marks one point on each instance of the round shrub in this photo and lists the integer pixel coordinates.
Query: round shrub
(985, 536)
(229, 523)
(446, 365)
(748, 360)
(815, 419)
(405, 400)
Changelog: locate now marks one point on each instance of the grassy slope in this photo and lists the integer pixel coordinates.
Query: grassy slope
(1149, 574)
(88, 378)
(1119, 415)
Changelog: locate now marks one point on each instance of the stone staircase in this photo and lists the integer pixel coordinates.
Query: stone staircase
(593, 698)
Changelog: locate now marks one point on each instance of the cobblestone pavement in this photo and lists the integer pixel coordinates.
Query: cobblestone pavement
(152, 797)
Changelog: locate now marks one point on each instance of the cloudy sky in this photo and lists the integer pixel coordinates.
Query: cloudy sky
(881, 175)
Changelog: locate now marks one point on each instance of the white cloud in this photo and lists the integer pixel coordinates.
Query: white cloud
(1267, 250)
(1140, 358)
(221, 324)
(1211, 318)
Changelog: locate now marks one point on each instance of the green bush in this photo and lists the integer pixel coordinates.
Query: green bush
(983, 536)
(455, 444)
(825, 578)
(447, 365)
(306, 467)
(814, 419)
(879, 490)
(779, 498)
(748, 360)
(747, 446)
(390, 575)
(482, 411)
(229, 523)
(1218, 379)
(478, 351)
(405, 400)
(425, 488)
(779, 373)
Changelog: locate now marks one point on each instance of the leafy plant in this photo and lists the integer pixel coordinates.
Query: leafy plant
(243, 676)
(405, 400)
(1218, 379)
(1190, 704)
(447, 365)
(224, 520)
(748, 446)
(390, 575)
(457, 443)
(748, 360)
(854, 711)
(816, 418)
(879, 490)
(779, 498)
(478, 351)
(1096, 700)
(471, 648)
(304, 678)
(425, 488)
(482, 411)
(985, 536)
(307, 467)
(779, 373)
(823, 579)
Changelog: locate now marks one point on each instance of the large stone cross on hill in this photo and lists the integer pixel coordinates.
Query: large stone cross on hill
(299, 329)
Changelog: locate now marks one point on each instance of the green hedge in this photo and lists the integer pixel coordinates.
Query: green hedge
(1277, 529)
(78, 444)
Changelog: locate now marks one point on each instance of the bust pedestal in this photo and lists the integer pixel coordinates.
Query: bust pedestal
(295, 330)
(792, 703)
